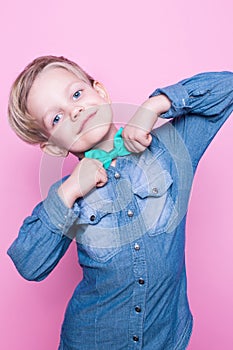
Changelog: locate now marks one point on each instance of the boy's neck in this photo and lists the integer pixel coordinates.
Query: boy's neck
(107, 143)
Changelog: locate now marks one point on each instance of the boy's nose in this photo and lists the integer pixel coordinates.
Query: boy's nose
(74, 113)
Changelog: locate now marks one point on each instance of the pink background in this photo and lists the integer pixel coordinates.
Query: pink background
(132, 47)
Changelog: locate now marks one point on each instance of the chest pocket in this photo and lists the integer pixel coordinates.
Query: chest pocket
(155, 201)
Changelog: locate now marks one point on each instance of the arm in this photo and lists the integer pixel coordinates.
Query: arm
(45, 235)
(200, 106)
(42, 239)
(136, 133)
(207, 95)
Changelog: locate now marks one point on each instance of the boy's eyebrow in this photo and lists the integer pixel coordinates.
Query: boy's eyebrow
(80, 82)
(69, 87)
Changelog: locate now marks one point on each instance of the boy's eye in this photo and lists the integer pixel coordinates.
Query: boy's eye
(77, 94)
(57, 118)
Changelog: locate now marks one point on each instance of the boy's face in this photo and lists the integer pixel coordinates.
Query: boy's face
(74, 115)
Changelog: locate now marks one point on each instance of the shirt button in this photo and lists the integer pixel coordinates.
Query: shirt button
(117, 175)
(92, 217)
(135, 338)
(138, 309)
(130, 213)
(141, 281)
(155, 190)
(136, 246)
(60, 225)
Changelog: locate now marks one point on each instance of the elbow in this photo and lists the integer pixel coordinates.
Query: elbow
(26, 269)
(30, 275)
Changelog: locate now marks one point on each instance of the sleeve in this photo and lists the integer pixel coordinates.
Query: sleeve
(43, 239)
(200, 106)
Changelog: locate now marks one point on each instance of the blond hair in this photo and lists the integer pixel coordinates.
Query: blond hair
(24, 125)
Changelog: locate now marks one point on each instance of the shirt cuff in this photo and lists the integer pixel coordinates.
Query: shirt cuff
(59, 214)
(179, 98)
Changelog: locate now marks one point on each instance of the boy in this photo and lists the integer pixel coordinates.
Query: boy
(126, 210)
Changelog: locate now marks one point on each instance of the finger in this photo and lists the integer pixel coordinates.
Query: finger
(141, 136)
(101, 175)
(134, 146)
(129, 145)
(145, 140)
(102, 182)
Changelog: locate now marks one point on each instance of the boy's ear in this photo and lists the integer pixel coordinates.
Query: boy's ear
(53, 150)
(99, 87)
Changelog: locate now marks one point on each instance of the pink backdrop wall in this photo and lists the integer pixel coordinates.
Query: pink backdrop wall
(132, 47)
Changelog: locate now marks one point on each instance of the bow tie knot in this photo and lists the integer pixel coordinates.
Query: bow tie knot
(106, 157)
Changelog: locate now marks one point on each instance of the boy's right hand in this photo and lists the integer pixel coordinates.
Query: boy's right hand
(89, 173)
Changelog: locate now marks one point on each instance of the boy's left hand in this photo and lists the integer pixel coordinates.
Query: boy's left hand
(136, 133)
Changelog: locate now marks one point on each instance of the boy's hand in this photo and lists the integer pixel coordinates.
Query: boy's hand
(89, 173)
(136, 133)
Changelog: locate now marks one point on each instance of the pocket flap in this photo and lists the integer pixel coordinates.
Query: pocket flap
(92, 214)
(156, 186)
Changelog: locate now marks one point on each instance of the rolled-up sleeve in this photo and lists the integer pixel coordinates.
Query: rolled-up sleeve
(204, 94)
(199, 107)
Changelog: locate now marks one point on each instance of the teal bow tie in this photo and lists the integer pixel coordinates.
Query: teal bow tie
(107, 157)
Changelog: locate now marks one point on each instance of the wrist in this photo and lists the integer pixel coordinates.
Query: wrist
(158, 104)
(68, 192)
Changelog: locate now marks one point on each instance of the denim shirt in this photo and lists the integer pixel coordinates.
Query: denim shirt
(130, 234)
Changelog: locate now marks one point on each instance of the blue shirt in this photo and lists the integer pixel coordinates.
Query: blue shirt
(130, 233)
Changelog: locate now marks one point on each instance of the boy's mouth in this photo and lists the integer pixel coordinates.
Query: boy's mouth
(86, 119)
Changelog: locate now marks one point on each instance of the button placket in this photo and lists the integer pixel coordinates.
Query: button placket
(117, 175)
(138, 309)
(130, 213)
(135, 338)
(141, 281)
(139, 293)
